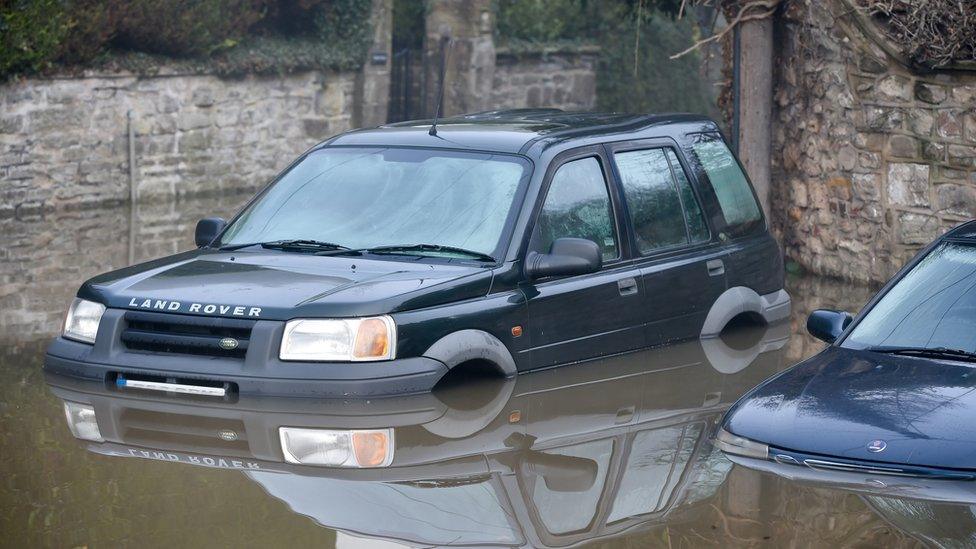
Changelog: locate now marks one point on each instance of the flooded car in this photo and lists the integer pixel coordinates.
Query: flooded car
(893, 395)
(384, 259)
(549, 459)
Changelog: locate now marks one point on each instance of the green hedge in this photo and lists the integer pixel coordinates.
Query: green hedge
(231, 36)
(30, 33)
(660, 84)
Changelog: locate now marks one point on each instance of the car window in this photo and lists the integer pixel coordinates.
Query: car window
(565, 502)
(657, 460)
(658, 205)
(934, 305)
(578, 206)
(731, 187)
(697, 228)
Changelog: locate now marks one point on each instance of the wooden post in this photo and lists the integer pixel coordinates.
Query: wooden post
(755, 94)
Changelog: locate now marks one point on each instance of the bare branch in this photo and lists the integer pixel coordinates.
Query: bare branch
(746, 13)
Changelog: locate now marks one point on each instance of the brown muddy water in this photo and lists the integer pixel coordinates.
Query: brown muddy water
(609, 453)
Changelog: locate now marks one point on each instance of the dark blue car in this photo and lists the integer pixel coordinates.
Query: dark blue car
(893, 394)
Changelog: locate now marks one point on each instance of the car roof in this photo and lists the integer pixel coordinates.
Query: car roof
(963, 231)
(516, 130)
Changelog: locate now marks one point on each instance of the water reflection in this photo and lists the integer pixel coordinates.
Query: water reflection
(546, 459)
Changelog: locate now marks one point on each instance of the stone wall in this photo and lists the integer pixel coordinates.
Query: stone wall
(871, 160)
(45, 256)
(64, 142)
(560, 79)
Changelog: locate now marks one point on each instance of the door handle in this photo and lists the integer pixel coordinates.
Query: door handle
(627, 286)
(716, 267)
(624, 415)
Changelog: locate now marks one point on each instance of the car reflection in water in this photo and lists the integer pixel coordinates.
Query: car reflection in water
(550, 458)
(939, 512)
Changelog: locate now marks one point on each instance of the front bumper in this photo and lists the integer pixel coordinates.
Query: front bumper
(929, 488)
(259, 373)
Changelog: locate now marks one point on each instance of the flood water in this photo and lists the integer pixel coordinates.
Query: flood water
(609, 453)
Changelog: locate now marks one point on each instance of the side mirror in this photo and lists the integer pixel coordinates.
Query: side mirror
(207, 230)
(827, 324)
(566, 257)
(562, 473)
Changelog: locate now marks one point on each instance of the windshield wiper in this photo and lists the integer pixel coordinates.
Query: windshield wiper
(408, 248)
(296, 244)
(928, 352)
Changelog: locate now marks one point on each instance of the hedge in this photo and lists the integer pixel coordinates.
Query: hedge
(41, 35)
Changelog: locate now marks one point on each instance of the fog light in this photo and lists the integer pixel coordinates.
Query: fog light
(333, 448)
(81, 421)
(740, 446)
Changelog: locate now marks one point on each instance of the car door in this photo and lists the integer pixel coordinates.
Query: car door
(587, 316)
(682, 267)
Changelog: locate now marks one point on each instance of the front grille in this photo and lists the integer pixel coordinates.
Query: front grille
(184, 432)
(189, 335)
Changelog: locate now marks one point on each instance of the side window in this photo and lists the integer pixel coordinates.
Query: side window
(652, 198)
(577, 206)
(731, 187)
(697, 228)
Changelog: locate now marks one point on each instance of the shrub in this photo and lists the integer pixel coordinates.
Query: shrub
(327, 19)
(551, 21)
(660, 84)
(30, 32)
(544, 20)
(90, 24)
(184, 28)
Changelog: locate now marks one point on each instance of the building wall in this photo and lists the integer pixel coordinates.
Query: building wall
(64, 142)
(871, 159)
(561, 79)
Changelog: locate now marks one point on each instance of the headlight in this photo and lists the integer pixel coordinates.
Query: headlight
(81, 324)
(81, 421)
(332, 448)
(740, 446)
(347, 339)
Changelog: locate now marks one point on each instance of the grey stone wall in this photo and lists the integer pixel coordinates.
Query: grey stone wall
(64, 142)
(45, 256)
(560, 79)
(871, 160)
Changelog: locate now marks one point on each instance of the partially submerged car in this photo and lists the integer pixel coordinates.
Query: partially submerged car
(895, 392)
(382, 259)
(548, 459)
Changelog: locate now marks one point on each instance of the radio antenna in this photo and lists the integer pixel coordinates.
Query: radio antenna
(440, 87)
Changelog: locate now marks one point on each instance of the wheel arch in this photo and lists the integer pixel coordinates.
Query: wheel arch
(469, 345)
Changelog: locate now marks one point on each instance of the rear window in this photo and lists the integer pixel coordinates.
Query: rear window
(732, 189)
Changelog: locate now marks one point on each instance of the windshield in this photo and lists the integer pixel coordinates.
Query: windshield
(933, 306)
(366, 198)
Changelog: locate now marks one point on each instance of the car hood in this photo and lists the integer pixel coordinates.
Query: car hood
(840, 401)
(285, 285)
